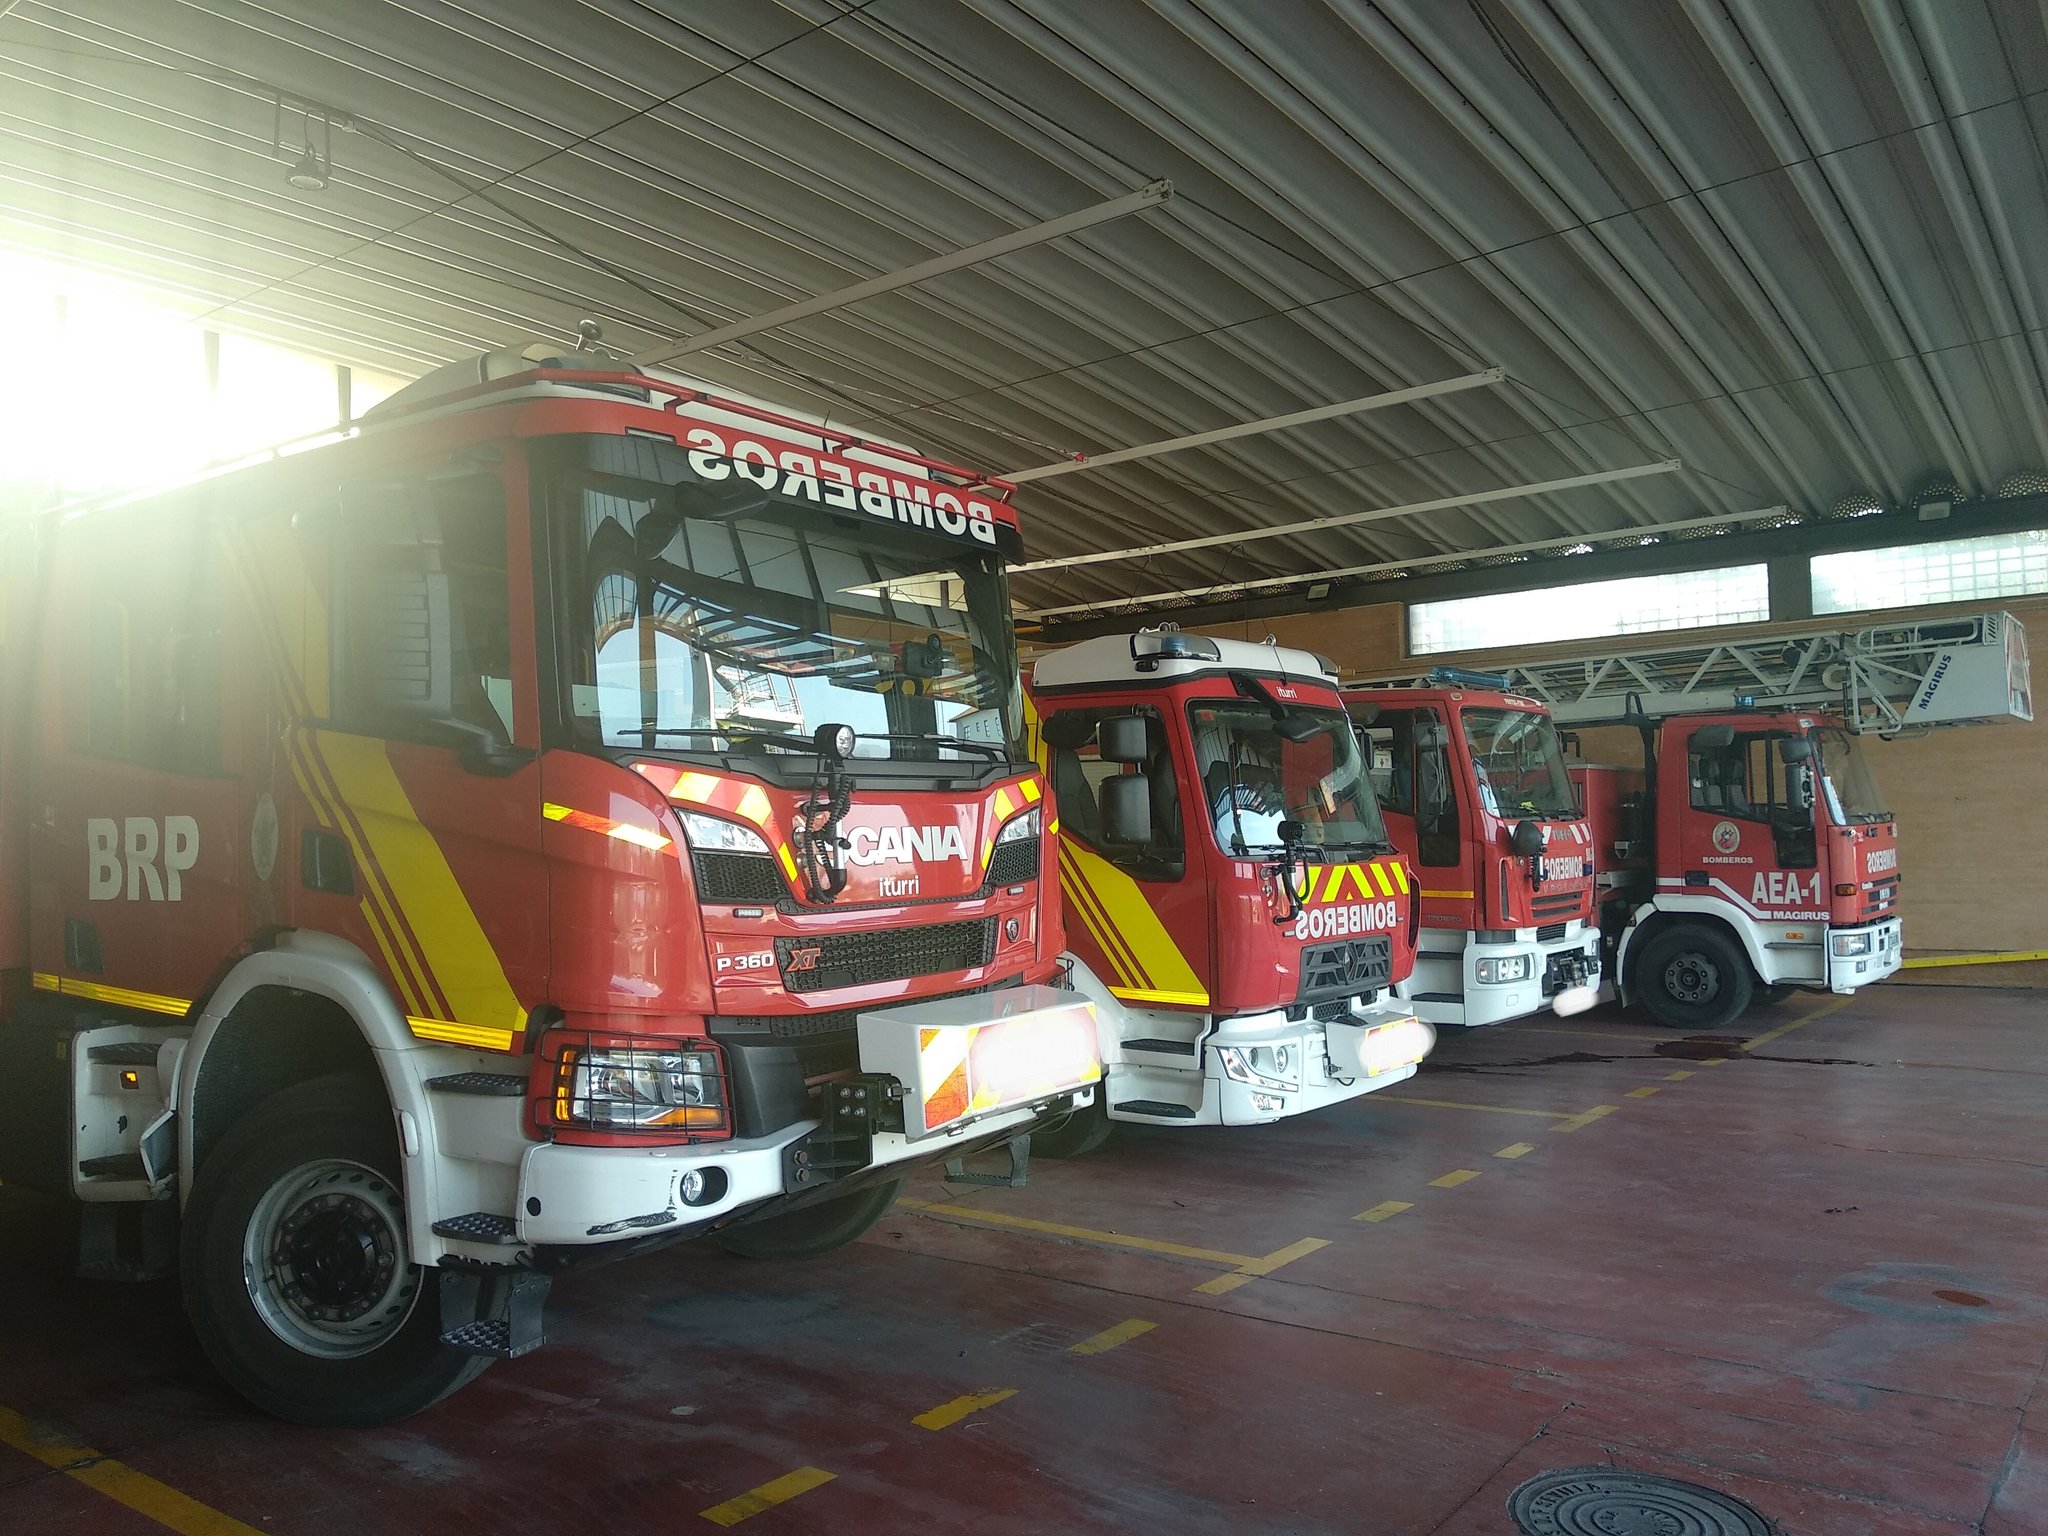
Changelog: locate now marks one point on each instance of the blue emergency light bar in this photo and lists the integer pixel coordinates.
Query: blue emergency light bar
(1465, 677)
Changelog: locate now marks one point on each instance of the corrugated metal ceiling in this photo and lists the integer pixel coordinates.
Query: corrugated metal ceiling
(1793, 243)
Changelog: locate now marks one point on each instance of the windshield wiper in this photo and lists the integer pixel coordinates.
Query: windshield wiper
(934, 738)
(772, 738)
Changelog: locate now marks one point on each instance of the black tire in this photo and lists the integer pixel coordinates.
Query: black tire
(814, 1231)
(1076, 1134)
(1693, 977)
(312, 1174)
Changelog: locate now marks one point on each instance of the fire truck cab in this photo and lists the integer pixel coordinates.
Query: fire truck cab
(1236, 910)
(1475, 793)
(576, 811)
(1752, 850)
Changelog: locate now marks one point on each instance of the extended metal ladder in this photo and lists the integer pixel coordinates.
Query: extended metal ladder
(1888, 678)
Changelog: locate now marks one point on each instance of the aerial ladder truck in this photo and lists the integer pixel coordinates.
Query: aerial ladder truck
(1747, 848)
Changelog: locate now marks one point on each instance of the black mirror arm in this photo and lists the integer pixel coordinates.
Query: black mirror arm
(482, 751)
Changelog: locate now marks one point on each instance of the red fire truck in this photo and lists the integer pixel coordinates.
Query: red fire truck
(1474, 788)
(1746, 847)
(577, 810)
(1235, 909)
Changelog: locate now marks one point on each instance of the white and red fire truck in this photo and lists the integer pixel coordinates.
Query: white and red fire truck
(1474, 788)
(1234, 906)
(1747, 847)
(577, 810)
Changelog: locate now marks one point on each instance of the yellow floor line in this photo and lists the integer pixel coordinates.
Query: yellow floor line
(961, 1407)
(1385, 1209)
(1800, 1023)
(1676, 1077)
(1089, 1234)
(1644, 1093)
(767, 1496)
(1519, 1149)
(1454, 1178)
(1109, 1338)
(1585, 1118)
(1484, 1109)
(1715, 1061)
(1222, 1285)
(121, 1483)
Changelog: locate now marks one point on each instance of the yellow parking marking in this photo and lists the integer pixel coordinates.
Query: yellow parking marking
(767, 1496)
(1585, 1118)
(1454, 1178)
(1222, 1285)
(1800, 1023)
(958, 1409)
(1109, 1338)
(1385, 1209)
(1087, 1234)
(1485, 1109)
(1715, 1061)
(1676, 1077)
(123, 1484)
(1644, 1093)
(1519, 1149)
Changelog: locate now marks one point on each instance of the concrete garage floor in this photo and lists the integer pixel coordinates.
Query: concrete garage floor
(1808, 1270)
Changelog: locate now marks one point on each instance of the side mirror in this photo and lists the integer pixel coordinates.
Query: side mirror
(1799, 788)
(1121, 739)
(1795, 749)
(1526, 839)
(1127, 810)
(1713, 738)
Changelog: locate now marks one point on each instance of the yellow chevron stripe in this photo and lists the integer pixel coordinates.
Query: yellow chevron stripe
(1379, 873)
(458, 954)
(1081, 902)
(1174, 999)
(1158, 958)
(1401, 876)
(119, 997)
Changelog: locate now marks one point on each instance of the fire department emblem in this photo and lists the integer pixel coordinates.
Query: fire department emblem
(1727, 836)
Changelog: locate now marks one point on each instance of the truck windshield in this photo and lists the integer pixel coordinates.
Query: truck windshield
(1254, 778)
(719, 618)
(1845, 775)
(1519, 765)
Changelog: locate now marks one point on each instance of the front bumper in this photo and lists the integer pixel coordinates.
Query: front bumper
(951, 1075)
(1325, 1062)
(1551, 967)
(1848, 972)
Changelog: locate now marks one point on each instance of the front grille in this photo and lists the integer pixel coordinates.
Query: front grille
(1550, 906)
(1014, 863)
(823, 1042)
(1550, 931)
(1346, 969)
(737, 877)
(887, 954)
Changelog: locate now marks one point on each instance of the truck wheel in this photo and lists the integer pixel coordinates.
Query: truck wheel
(816, 1229)
(1693, 978)
(296, 1273)
(1076, 1134)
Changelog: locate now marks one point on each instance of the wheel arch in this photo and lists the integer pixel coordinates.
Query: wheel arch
(1658, 918)
(310, 1006)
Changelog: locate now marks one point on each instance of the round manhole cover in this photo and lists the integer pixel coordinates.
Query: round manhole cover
(1613, 1501)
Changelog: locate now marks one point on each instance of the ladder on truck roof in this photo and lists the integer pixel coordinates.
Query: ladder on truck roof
(1962, 670)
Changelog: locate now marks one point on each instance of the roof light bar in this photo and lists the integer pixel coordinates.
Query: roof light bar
(1150, 196)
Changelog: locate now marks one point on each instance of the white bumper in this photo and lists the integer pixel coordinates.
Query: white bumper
(1881, 959)
(1531, 961)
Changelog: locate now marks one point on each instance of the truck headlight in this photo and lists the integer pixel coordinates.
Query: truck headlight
(1259, 1066)
(1505, 968)
(616, 1085)
(1020, 828)
(714, 834)
(1845, 945)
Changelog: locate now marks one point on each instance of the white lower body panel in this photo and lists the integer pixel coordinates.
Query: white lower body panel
(1446, 988)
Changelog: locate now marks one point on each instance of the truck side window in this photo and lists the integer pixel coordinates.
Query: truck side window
(1389, 747)
(1078, 770)
(1436, 795)
(1749, 780)
(147, 650)
(420, 567)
